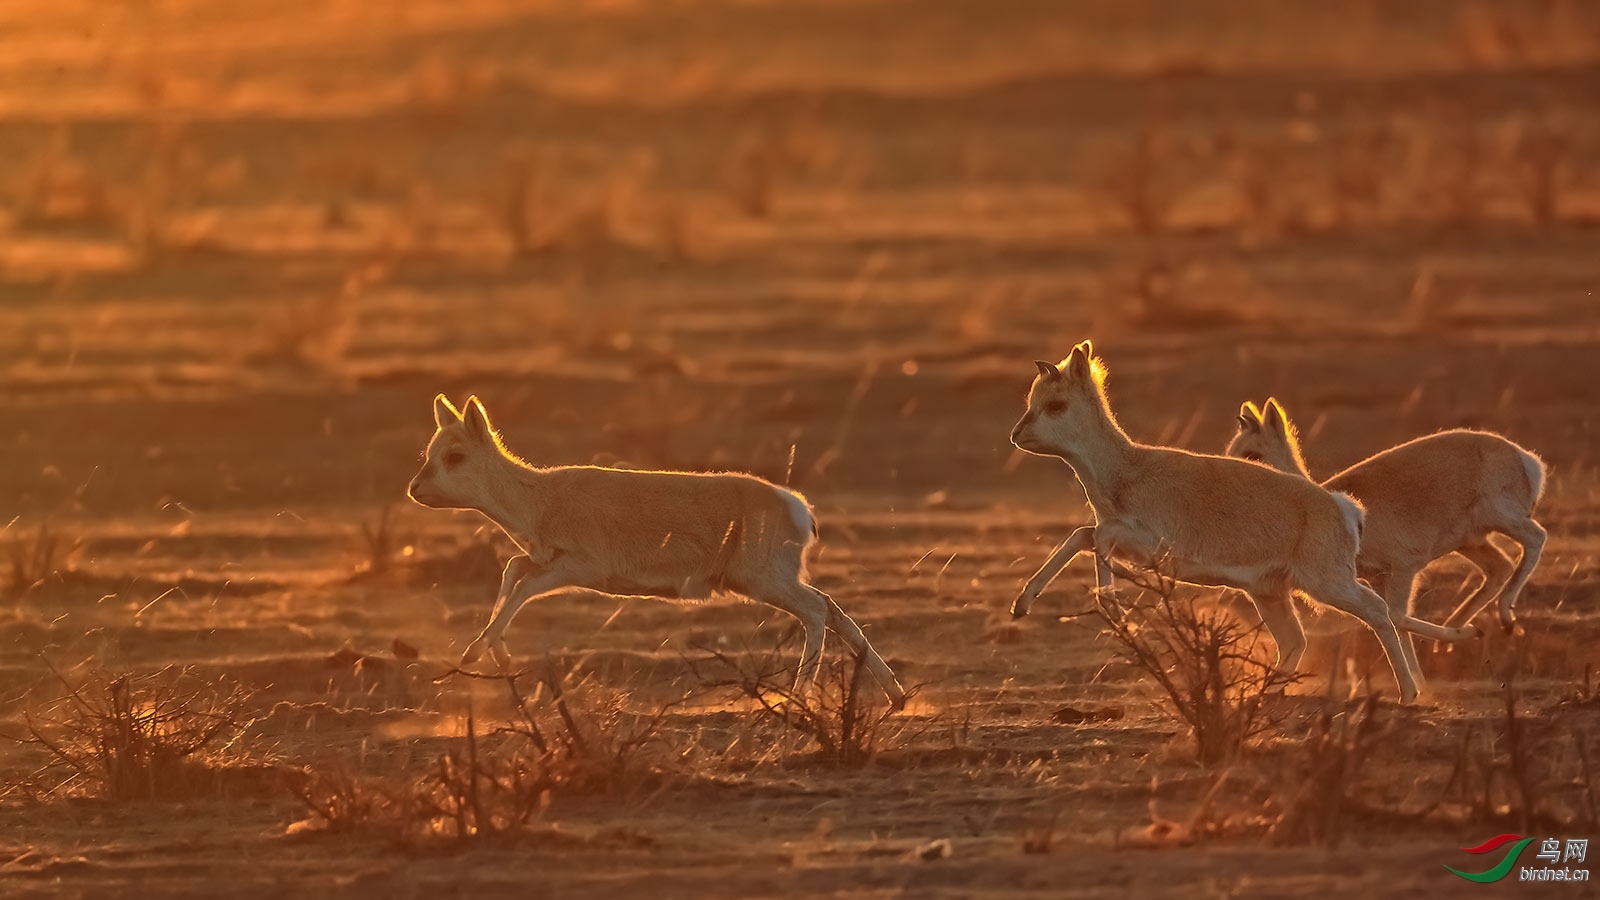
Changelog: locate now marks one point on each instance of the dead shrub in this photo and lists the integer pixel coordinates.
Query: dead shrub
(842, 716)
(1206, 663)
(473, 792)
(314, 332)
(1319, 803)
(343, 803)
(1315, 789)
(1040, 835)
(588, 738)
(1525, 773)
(475, 561)
(523, 182)
(551, 204)
(1356, 177)
(61, 188)
(1138, 182)
(1185, 296)
(563, 738)
(139, 737)
(1256, 168)
(1459, 175)
(769, 155)
(1541, 154)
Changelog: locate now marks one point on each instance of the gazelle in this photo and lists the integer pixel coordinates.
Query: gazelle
(1438, 494)
(669, 535)
(1216, 521)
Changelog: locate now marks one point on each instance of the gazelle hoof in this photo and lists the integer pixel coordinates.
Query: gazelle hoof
(502, 656)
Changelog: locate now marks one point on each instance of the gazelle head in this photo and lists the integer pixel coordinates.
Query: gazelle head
(1064, 405)
(1266, 436)
(461, 459)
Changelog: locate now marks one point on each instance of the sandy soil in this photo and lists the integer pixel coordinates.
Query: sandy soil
(243, 245)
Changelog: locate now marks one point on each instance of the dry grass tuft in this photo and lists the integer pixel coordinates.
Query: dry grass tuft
(381, 543)
(32, 560)
(138, 737)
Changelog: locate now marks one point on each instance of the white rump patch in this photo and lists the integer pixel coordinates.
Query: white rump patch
(1535, 469)
(1354, 515)
(799, 511)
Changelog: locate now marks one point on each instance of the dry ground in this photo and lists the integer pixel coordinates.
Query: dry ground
(243, 245)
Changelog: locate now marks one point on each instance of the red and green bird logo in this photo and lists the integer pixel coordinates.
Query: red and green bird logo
(1504, 867)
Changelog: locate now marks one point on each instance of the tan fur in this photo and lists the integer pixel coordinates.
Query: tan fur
(1438, 494)
(672, 535)
(1215, 521)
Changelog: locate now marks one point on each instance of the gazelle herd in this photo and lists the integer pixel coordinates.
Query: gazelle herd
(1252, 519)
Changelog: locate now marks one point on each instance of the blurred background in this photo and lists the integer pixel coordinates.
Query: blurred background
(242, 245)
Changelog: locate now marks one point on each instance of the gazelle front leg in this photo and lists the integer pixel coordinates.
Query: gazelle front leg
(534, 582)
(1105, 583)
(1079, 541)
(516, 568)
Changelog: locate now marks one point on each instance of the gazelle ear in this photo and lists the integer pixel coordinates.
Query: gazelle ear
(1275, 418)
(444, 414)
(1077, 364)
(1047, 370)
(1087, 346)
(477, 420)
(1249, 417)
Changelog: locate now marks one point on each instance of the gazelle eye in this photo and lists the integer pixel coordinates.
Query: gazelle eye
(1055, 407)
(454, 458)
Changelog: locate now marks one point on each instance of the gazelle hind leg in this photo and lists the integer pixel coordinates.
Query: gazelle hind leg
(1398, 588)
(814, 618)
(851, 634)
(812, 612)
(1531, 535)
(1350, 596)
(1283, 623)
(1494, 571)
